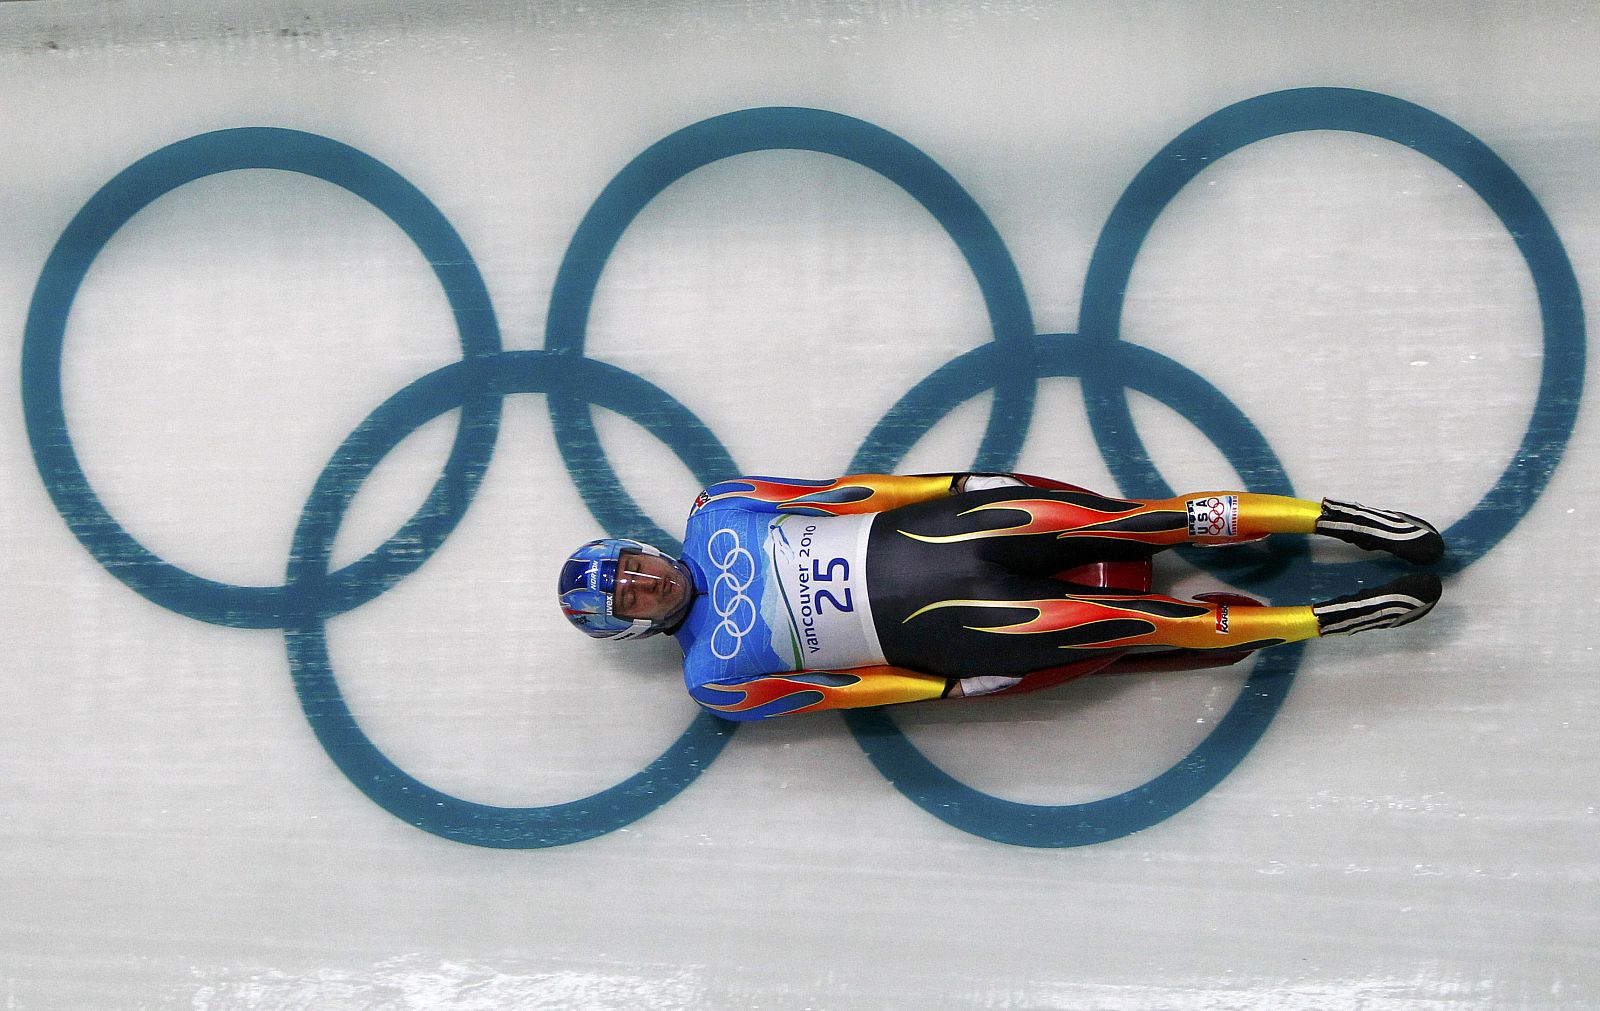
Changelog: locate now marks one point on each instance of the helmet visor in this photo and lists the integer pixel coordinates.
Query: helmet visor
(652, 587)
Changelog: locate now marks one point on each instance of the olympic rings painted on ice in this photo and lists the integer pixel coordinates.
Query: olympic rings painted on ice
(1010, 365)
(82, 241)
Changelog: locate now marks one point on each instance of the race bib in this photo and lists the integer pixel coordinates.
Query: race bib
(821, 567)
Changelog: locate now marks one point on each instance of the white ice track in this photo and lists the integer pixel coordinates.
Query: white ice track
(1416, 829)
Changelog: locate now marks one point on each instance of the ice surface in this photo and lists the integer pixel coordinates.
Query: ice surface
(1417, 826)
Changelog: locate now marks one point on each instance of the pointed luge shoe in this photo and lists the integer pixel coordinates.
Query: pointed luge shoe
(1389, 606)
(1401, 534)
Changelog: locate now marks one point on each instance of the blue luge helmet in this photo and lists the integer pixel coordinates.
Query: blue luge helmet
(588, 579)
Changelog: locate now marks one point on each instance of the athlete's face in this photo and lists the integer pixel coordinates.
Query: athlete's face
(649, 586)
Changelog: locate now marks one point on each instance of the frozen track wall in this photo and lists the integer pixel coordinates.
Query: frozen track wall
(333, 326)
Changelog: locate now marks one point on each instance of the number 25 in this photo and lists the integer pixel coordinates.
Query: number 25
(826, 576)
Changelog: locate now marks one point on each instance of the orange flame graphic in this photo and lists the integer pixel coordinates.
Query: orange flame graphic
(1062, 518)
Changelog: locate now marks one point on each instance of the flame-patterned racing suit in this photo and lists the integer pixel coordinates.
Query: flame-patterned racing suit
(874, 589)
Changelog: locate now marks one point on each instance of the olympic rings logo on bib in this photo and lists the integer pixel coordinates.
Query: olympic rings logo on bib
(726, 583)
(1009, 366)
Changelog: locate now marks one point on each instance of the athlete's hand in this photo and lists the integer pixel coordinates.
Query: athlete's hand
(971, 688)
(983, 482)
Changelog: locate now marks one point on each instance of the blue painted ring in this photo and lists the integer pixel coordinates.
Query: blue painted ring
(135, 188)
(335, 726)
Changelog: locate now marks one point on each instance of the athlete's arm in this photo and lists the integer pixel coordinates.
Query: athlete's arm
(853, 493)
(808, 691)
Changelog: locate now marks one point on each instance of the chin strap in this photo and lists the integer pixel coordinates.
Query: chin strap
(640, 628)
